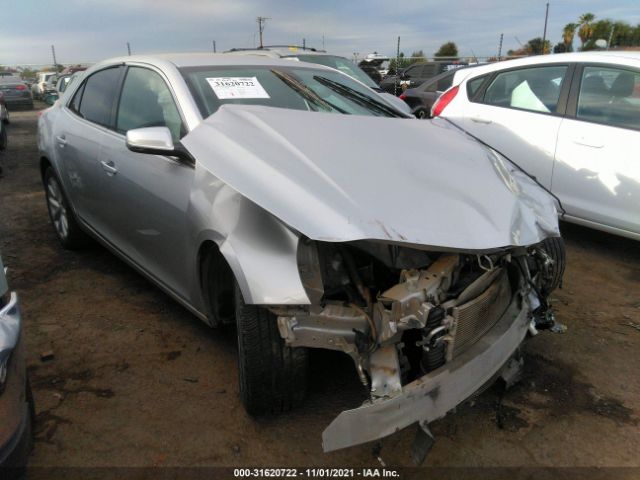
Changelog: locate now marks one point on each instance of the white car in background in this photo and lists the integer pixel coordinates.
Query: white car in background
(37, 89)
(571, 120)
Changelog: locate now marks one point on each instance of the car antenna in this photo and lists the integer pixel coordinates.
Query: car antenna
(532, 177)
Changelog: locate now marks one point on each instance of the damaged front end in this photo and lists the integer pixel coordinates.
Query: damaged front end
(425, 329)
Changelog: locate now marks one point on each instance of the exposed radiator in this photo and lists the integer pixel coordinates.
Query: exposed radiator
(475, 317)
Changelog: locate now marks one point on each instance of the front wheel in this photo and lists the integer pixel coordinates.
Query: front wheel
(272, 376)
(67, 229)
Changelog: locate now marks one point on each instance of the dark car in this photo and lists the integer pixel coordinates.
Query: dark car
(422, 98)
(415, 75)
(16, 94)
(16, 401)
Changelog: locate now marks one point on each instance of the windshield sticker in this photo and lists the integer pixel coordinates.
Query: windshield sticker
(237, 87)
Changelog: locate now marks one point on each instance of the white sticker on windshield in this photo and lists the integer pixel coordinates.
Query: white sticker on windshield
(237, 87)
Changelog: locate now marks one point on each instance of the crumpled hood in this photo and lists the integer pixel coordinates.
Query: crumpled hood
(345, 177)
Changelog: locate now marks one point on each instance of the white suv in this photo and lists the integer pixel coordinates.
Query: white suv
(37, 89)
(571, 120)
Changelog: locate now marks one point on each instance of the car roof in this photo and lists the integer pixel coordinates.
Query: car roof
(182, 60)
(279, 51)
(574, 57)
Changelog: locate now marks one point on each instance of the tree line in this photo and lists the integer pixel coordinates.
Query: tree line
(615, 33)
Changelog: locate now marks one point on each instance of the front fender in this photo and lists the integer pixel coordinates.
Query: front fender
(260, 249)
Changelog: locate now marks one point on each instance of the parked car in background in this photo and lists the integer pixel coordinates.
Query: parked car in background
(61, 82)
(572, 120)
(38, 88)
(16, 94)
(3, 140)
(321, 57)
(4, 111)
(252, 193)
(422, 98)
(16, 401)
(416, 74)
(375, 65)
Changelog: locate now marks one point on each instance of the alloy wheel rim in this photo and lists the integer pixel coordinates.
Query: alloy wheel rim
(57, 208)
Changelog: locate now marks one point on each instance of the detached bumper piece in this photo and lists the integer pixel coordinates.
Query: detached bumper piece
(431, 396)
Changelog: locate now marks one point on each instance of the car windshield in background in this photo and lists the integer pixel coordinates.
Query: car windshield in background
(283, 87)
(339, 63)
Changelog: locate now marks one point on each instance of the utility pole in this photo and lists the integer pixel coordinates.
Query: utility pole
(129, 48)
(610, 37)
(544, 35)
(323, 42)
(304, 44)
(500, 47)
(261, 21)
(55, 62)
(214, 46)
(397, 72)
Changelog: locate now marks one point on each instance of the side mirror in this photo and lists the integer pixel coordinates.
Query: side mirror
(156, 141)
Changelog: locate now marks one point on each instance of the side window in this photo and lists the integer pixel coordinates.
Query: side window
(473, 86)
(536, 89)
(610, 96)
(74, 104)
(412, 71)
(445, 82)
(98, 96)
(146, 101)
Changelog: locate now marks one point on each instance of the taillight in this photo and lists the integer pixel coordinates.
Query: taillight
(443, 101)
(20, 87)
(403, 96)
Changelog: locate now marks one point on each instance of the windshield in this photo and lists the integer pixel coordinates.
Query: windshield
(339, 63)
(283, 87)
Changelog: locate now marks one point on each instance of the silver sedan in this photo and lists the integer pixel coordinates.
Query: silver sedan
(257, 191)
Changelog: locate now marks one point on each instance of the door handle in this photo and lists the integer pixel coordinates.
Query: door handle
(61, 140)
(481, 120)
(109, 167)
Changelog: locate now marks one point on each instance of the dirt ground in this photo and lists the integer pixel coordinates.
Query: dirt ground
(138, 381)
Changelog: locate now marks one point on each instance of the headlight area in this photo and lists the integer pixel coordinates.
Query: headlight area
(405, 315)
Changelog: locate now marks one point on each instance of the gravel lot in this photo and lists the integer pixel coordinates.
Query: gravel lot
(137, 381)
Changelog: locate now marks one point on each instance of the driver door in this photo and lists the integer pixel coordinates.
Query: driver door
(149, 194)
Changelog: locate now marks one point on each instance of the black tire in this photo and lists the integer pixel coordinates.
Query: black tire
(554, 247)
(272, 376)
(218, 288)
(3, 137)
(422, 113)
(62, 217)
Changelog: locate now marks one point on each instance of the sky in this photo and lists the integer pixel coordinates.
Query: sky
(86, 31)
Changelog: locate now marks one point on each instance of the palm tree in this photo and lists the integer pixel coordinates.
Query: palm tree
(568, 33)
(585, 31)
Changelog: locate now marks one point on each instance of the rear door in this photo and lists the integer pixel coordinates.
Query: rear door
(518, 112)
(78, 138)
(597, 171)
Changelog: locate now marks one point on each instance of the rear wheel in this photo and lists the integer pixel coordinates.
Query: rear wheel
(272, 376)
(67, 229)
(421, 113)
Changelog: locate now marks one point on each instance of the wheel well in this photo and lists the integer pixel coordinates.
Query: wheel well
(217, 284)
(44, 164)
